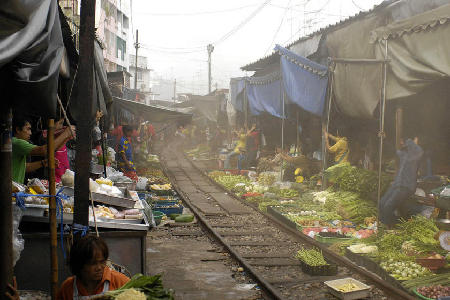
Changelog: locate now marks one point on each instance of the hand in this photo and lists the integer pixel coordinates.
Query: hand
(68, 132)
(59, 124)
(13, 294)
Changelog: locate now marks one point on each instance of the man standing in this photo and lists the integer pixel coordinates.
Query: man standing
(404, 185)
(21, 148)
(125, 154)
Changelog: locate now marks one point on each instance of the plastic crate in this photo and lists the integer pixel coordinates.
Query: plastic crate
(328, 270)
(157, 216)
(331, 240)
(169, 210)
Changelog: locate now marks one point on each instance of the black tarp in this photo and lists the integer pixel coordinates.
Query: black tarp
(156, 114)
(31, 49)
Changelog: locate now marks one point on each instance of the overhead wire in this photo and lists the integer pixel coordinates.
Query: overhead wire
(197, 13)
(242, 24)
(279, 27)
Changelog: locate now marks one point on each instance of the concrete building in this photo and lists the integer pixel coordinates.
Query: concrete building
(143, 73)
(112, 21)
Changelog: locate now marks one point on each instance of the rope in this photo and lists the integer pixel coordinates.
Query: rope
(20, 202)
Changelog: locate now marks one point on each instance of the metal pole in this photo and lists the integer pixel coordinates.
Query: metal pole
(174, 91)
(382, 110)
(282, 129)
(52, 208)
(136, 45)
(327, 124)
(84, 125)
(210, 49)
(297, 143)
(245, 106)
(6, 253)
(398, 125)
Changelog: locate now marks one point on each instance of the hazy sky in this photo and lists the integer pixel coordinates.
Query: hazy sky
(174, 33)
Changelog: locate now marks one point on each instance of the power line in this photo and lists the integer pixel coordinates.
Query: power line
(243, 23)
(279, 27)
(196, 13)
(357, 6)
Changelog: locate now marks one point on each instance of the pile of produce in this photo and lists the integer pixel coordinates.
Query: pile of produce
(348, 287)
(434, 292)
(413, 236)
(405, 270)
(266, 179)
(140, 287)
(429, 280)
(353, 179)
(161, 187)
(362, 248)
(312, 257)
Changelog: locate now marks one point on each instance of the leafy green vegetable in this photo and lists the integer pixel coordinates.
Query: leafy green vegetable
(151, 286)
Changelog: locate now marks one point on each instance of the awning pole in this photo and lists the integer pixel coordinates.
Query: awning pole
(282, 130)
(52, 208)
(327, 124)
(382, 111)
(297, 144)
(6, 252)
(245, 106)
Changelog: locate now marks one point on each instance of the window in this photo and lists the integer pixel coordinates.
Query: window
(139, 75)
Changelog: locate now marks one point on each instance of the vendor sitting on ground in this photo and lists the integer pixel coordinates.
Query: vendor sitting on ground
(87, 262)
(340, 148)
(396, 202)
(21, 148)
(125, 154)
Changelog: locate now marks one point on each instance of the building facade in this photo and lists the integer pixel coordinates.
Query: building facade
(112, 23)
(143, 73)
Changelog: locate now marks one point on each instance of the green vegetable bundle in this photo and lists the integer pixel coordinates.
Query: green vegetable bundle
(312, 257)
(151, 286)
(353, 179)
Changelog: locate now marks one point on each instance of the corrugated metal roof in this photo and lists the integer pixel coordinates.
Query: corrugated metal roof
(358, 16)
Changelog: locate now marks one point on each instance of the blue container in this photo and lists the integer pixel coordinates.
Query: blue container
(166, 209)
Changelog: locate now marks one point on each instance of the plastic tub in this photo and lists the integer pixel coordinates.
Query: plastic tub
(363, 290)
(34, 210)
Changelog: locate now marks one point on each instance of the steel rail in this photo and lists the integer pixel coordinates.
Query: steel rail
(384, 285)
(268, 289)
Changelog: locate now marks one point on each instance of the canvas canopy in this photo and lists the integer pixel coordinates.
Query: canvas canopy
(304, 81)
(149, 112)
(265, 95)
(418, 48)
(31, 50)
(237, 86)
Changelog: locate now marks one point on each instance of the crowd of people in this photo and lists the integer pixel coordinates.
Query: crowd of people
(29, 152)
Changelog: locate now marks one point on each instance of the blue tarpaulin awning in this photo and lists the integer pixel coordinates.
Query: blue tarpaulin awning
(304, 81)
(237, 86)
(264, 95)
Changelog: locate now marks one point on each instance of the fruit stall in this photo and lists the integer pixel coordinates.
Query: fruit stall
(343, 218)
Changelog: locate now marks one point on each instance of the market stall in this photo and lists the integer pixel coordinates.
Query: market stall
(414, 255)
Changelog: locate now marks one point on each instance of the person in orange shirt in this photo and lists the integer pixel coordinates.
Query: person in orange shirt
(91, 275)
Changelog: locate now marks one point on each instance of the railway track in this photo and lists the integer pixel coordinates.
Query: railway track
(264, 247)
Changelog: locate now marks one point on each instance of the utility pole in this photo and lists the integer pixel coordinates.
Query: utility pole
(136, 45)
(174, 91)
(210, 49)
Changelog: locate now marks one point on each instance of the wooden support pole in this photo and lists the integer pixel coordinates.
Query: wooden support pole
(85, 123)
(6, 253)
(52, 209)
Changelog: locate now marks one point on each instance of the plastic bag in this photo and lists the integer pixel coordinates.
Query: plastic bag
(68, 178)
(141, 185)
(17, 240)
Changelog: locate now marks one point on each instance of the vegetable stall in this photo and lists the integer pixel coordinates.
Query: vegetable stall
(344, 218)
